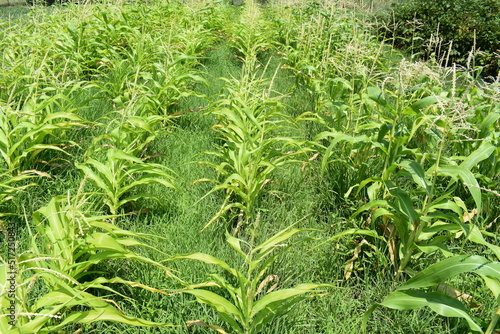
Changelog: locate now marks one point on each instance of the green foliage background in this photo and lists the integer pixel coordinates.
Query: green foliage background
(458, 31)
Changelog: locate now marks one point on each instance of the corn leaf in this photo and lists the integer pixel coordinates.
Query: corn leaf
(445, 269)
(438, 302)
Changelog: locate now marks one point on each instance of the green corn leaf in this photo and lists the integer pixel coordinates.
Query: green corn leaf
(423, 103)
(375, 94)
(417, 173)
(102, 280)
(445, 269)
(221, 304)
(135, 197)
(440, 303)
(275, 241)
(105, 241)
(438, 243)
(467, 178)
(224, 209)
(494, 285)
(285, 294)
(235, 244)
(209, 259)
(119, 154)
(404, 201)
(370, 205)
(483, 152)
(381, 212)
(476, 236)
(383, 130)
(353, 231)
(489, 122)
(104, 184)
(337, 138)
(367, 315)
(276, 309)
(40, 147)
(438, 227)
(445, 205)
(105, 313)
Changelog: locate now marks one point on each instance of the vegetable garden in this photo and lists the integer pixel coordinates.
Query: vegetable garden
(195, 167)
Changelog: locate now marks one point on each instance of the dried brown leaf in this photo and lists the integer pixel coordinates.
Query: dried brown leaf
(266, 281)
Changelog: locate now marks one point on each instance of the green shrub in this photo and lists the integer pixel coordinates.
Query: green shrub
(448, 30)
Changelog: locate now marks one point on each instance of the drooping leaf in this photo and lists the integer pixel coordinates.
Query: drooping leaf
(221, 304)
(443, 270)
(438, 302)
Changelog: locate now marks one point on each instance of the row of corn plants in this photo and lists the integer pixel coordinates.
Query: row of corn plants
(106, 55)
(256, 142)
(100, 54)
(252, 124)
(436, 149)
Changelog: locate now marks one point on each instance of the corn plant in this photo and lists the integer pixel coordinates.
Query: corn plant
(413, 294)
(436, 198)
(76, 241)
(417, 210)
(421, 226)
(128, 132)
(252, 151)
(421, 229)
(322, 43)
(82, 54)
(124, 169)
(167, 83)
(68, 244)
(54, 310)
(120, 174)
(113, 32)
(24, 133)
(249, 309)
(251, 36)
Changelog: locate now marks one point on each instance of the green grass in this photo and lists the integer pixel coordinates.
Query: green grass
(326, 83)
(10, 11)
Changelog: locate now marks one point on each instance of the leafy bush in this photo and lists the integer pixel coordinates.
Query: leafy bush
(449, 30)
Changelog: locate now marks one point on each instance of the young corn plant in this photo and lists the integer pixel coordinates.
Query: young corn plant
(251, 36)
(428, 289)
(249, 124)
(167, 83)
(75, 241)
(65, 249)
(123, 170)
(121, 173)
(60, 306)
(251, 308)
(24, 133)
(128, 132)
